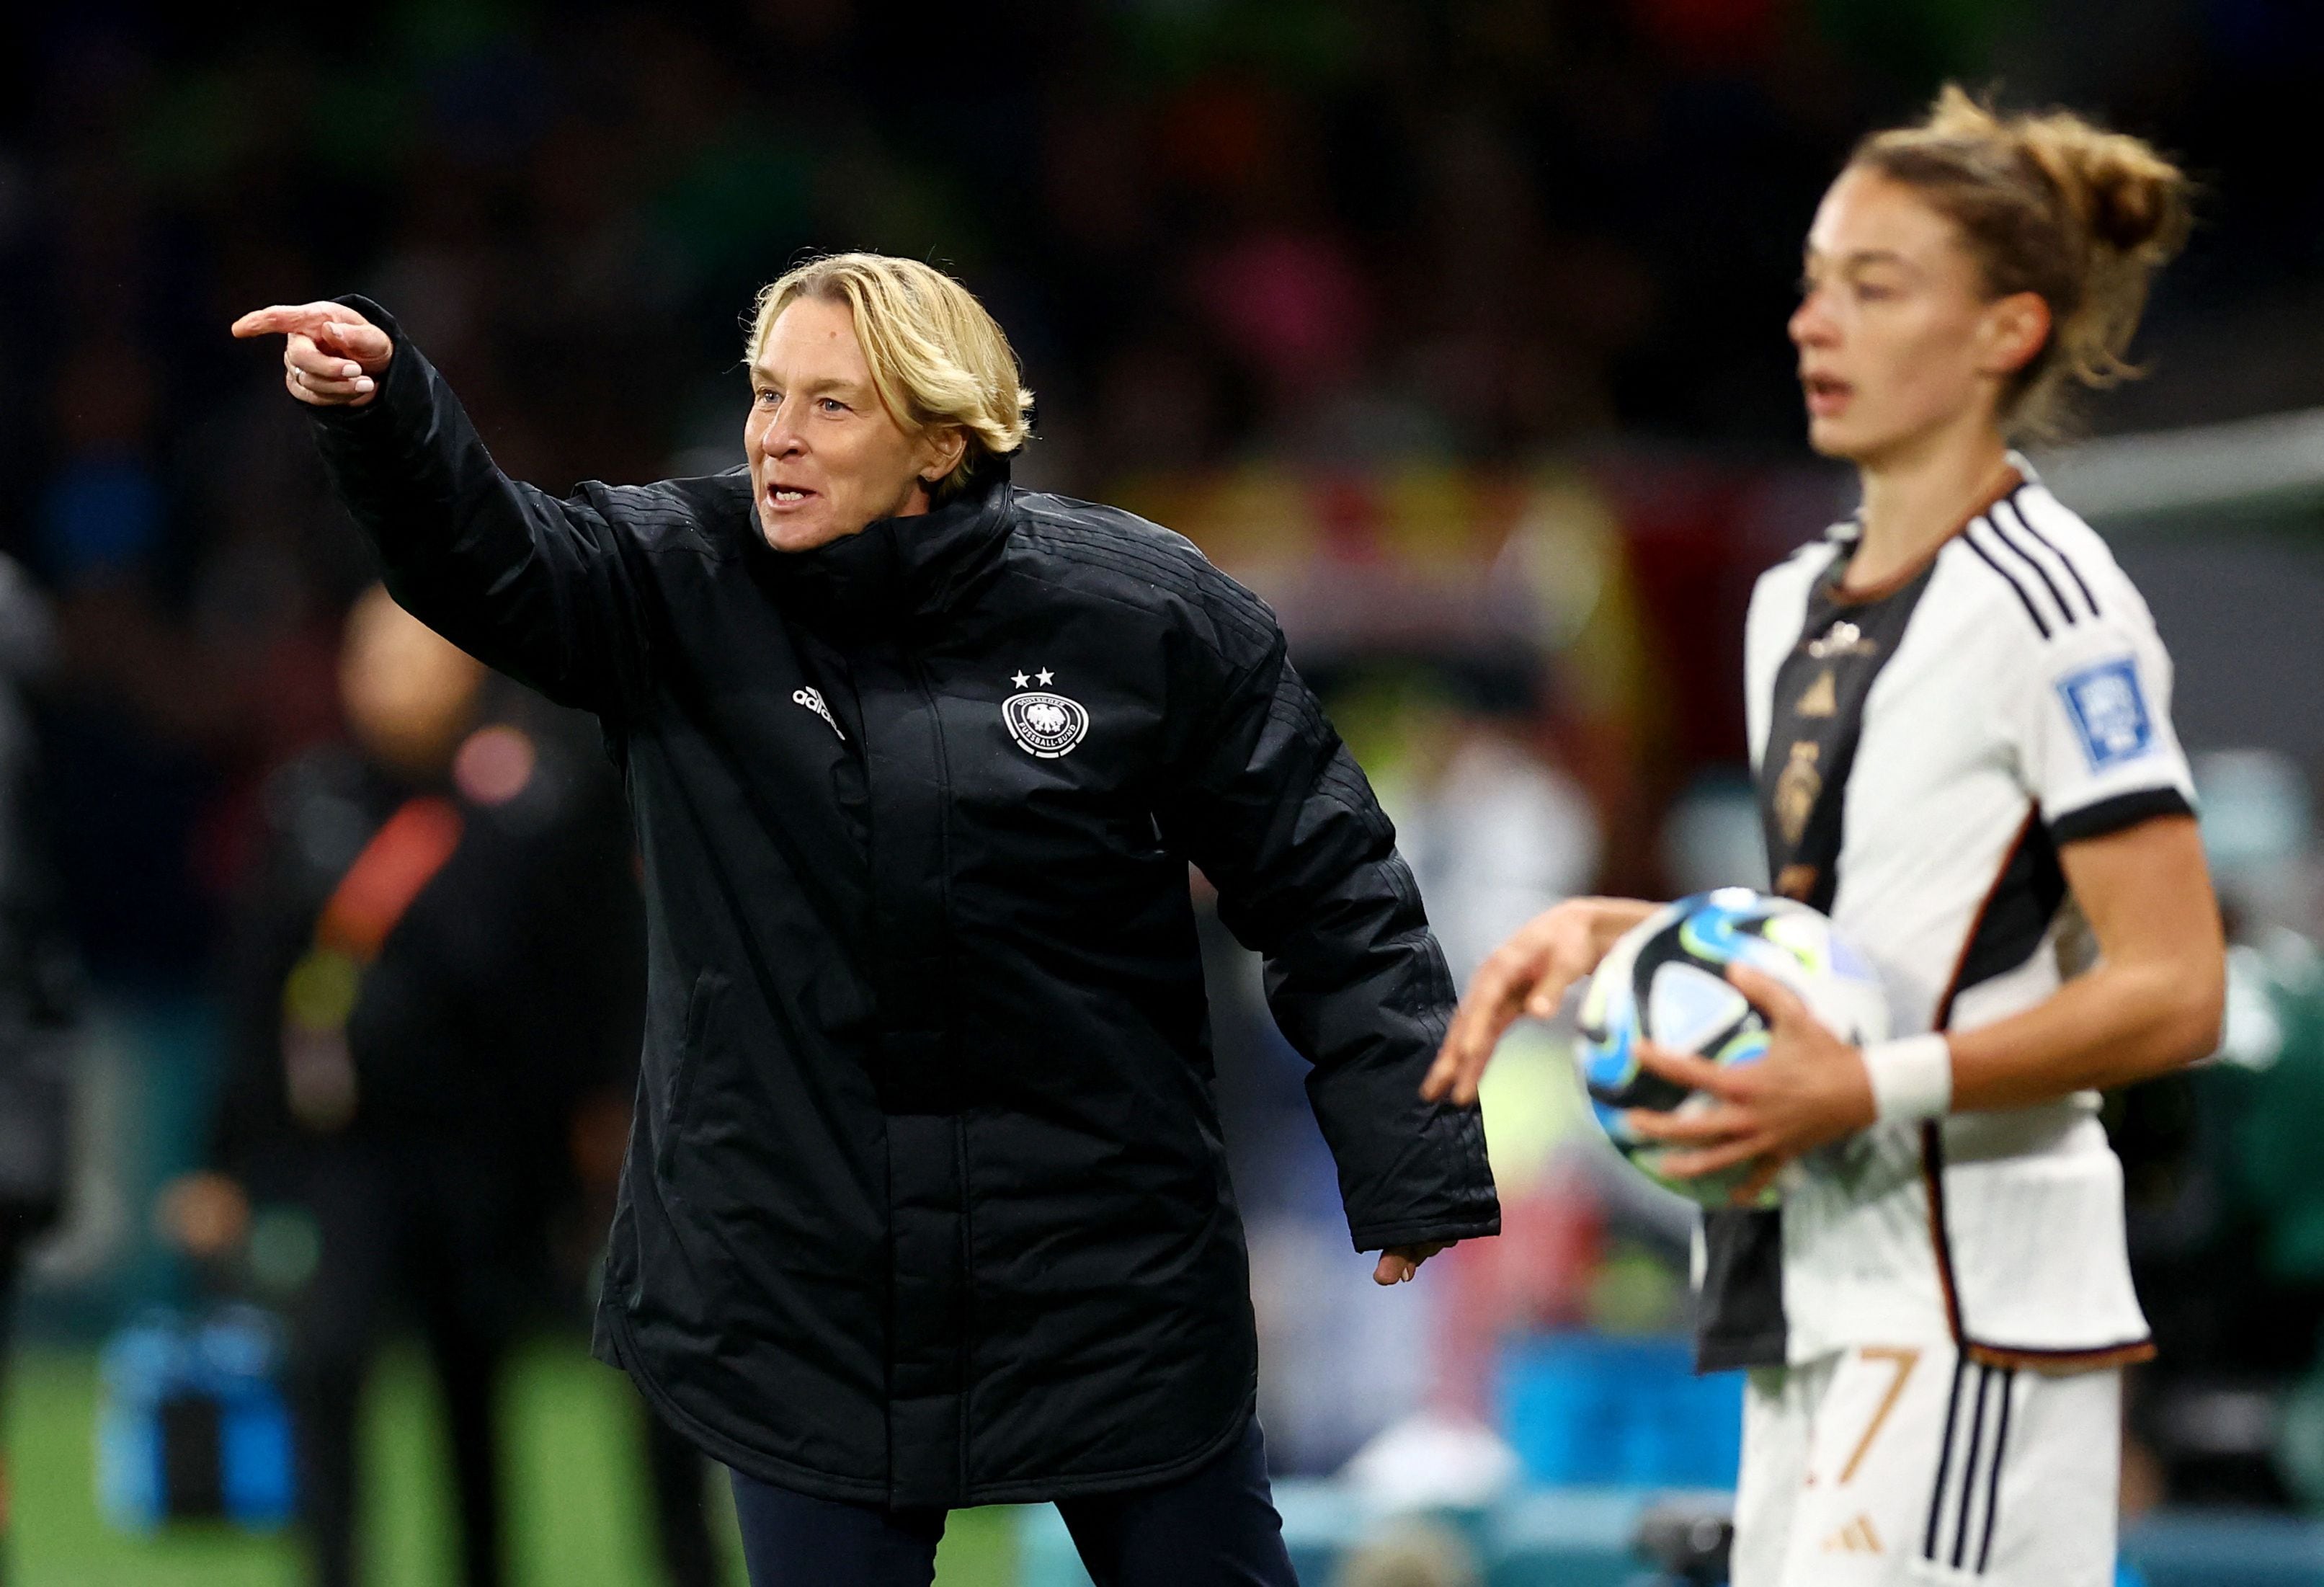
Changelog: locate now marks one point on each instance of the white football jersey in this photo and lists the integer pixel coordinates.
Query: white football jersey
(1922, 751)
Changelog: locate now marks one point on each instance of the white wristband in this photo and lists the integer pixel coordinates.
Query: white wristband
(1911, 1077)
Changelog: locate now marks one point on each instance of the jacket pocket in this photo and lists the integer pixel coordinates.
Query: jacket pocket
(684, 1064)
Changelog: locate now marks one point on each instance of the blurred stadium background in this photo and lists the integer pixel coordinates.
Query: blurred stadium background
(1456, 329)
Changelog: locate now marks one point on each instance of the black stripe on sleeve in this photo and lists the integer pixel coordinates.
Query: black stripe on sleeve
(2040, 624)
(2065, 609)
(2025, 523)
(1993, 1473)
(2117, 813)
(1945, 1459)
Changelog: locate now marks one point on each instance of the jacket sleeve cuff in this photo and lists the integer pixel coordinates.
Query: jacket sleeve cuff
(1372, 1237)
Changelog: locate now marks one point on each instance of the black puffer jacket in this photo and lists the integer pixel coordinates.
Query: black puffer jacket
(925, 1203)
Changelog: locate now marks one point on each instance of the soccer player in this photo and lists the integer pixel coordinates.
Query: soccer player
(1960, 717)
(926, 1204)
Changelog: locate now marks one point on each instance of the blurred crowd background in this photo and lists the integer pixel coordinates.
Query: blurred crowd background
(1456, 329)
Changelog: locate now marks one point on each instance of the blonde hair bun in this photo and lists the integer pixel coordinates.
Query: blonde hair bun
(2049, 203)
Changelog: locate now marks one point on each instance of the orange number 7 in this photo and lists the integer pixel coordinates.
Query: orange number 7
(1903, 1360)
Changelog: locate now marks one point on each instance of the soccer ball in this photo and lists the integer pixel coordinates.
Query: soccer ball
(1665, 982)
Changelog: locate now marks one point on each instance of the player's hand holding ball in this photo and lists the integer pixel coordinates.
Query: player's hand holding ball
(332, 357)
(1719, 1042)
(1811, 1089)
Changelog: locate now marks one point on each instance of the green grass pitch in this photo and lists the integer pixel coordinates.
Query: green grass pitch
(576, 1487)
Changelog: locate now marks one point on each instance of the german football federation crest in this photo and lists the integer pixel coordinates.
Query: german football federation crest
(1044, 725)
(1797, 789)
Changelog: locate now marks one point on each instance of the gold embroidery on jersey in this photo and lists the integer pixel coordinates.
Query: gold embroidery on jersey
(1856, 1538)
(1842, 639)
(1821, 699)
(1797, 789)
(1904, 1359)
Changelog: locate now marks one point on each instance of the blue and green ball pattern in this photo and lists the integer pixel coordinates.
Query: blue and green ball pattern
(1666, 982)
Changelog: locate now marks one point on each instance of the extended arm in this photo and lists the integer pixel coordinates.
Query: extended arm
(536, 587)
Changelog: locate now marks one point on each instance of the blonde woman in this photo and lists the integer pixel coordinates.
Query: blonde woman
(926, 1204)
(1959, 715)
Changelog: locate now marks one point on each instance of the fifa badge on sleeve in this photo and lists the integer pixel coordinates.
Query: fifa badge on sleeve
(2110, 712)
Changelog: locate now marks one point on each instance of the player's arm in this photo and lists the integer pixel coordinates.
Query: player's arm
(2090, 708)
(532, 586)
(2152, 1002)
(1530, 973)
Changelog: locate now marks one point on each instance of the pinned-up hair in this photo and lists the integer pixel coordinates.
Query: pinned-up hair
(2053, 204)
(936, 358)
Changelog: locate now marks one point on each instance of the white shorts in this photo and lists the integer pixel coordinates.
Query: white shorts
(1894, 1464)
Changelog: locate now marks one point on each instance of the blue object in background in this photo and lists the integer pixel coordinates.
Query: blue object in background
(2222, 1548)
(1585, 1537)
(1582, 1410)
(100, 516)
(192, 1423)
(1569, 1537)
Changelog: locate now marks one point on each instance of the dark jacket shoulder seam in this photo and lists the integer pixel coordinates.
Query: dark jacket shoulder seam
(1218, 593)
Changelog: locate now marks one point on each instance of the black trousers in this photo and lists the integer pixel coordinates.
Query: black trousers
(425, 1229)
(1215, 1529)
(680, 1475)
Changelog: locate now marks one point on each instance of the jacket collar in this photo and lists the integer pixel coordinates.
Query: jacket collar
(896, 567)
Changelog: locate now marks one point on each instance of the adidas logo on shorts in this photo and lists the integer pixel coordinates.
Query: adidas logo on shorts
(1856, 1538)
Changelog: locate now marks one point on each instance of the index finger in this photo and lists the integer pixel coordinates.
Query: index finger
(1696, 1073)
(1721, 1122)
(1779, 1003)
(281, 319)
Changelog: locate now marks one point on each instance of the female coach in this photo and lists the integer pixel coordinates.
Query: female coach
(1960, 713)
(925, 1205)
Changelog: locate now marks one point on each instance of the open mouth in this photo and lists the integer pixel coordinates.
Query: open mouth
(1825, 394)
(788, 495)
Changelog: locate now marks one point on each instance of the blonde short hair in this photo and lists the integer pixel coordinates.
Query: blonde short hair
(936, 358)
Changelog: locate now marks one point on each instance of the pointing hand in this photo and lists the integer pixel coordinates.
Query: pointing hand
(333, 356)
